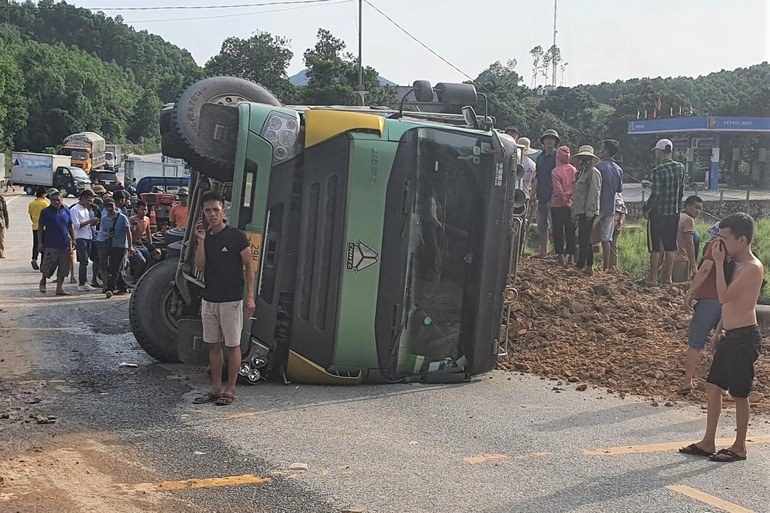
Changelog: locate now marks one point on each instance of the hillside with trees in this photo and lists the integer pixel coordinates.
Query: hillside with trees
(587, 114)
(65, 69)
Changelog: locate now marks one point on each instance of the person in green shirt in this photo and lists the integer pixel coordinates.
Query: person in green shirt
(662, 211)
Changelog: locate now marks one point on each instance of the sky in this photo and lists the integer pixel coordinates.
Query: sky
(601, 40)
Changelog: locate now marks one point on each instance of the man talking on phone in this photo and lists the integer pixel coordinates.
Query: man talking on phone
(223, 254)
(739, 282)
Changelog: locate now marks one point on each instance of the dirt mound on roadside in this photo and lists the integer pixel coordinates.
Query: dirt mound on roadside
(607, 331)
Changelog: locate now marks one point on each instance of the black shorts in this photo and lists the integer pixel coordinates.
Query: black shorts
(733, 365)
(661, 232)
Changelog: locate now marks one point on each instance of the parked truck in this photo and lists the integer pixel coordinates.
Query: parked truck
(112, 157)
(382, 240)
(138, 169)
(32, 170)
(86, 150)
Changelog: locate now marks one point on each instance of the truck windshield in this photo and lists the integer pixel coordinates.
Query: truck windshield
(443, 232)
(79, 155)
(78, 173)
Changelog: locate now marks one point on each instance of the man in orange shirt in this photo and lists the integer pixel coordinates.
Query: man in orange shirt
(177, 216)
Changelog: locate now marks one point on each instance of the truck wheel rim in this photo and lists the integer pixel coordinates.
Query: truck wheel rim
(230, 100)
(169, 320)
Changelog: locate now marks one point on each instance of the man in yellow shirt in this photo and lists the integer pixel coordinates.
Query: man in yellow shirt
(35, 207)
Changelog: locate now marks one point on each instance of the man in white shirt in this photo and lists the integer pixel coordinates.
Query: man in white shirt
(83, 221)
(527, 163)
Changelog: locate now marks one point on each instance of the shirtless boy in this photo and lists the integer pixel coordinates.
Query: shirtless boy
(737, 349)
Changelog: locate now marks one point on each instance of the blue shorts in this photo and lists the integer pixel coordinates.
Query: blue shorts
(705, 318)
(606, 227)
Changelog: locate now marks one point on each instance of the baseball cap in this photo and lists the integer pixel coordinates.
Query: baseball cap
(120, 195)
(110, 201)
(664, 145)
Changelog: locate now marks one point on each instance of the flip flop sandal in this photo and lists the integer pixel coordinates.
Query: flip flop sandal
(694, 450)
(726, 456)
(208, 398)
(225, 400)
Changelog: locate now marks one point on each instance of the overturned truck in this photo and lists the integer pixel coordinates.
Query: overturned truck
(383, 240)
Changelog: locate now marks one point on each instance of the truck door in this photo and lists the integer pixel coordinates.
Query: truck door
(61, 177)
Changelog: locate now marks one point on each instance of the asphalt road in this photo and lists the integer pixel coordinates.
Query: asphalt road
(130, 439)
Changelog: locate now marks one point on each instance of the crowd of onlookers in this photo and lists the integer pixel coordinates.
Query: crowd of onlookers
(579, 207)
(110, 232)
(583, 193)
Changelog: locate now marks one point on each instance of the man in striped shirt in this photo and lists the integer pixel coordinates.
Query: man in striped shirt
(662, 210)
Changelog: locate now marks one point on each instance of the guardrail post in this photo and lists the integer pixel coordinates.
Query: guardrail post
(721, 196)
(748, 191)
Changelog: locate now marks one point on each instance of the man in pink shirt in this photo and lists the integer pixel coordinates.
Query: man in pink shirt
(563, 177)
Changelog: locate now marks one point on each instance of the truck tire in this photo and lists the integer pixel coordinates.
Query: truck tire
(148, 312)
(170, 145)
(200, 151)
(29, 190)
(64, 192)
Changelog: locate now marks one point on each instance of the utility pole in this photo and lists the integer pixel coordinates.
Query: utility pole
(360, 91)
(553, 48)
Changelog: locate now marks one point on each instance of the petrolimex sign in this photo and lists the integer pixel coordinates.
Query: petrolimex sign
(699, 124)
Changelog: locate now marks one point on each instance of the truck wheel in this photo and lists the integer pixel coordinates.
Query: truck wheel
(29, 190)
(152, 323)
(200, 150)
(170, 144)
(64, 192)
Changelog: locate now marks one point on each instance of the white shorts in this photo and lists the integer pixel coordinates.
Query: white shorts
(606, 227)
(222, 322)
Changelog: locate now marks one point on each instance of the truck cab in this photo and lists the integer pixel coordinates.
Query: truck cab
(70, 180)
(382, 241)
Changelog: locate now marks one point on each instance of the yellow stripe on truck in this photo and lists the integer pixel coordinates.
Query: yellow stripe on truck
(322, 125)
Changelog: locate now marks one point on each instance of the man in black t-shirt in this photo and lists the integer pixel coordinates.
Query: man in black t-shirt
(224, 256)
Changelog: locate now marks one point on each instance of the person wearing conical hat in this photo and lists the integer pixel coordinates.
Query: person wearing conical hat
(588, 185)
(542, 185)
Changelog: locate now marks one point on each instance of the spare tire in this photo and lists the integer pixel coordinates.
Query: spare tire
(152, 323)
(200, 147)
(170, 144)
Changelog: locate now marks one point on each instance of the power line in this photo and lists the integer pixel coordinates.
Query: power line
(188, 7)
(327, 2)
(402, 29)
(492, 95)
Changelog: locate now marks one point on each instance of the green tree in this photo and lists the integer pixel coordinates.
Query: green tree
(262, 58)
(144, 123)
(333, 76)
(13, 101)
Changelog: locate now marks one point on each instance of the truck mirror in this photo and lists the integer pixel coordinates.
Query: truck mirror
(456, 94)
(519, 202)
(518, 172)
(469, 115)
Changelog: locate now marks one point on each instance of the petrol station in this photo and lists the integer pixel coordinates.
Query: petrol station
(703, 133)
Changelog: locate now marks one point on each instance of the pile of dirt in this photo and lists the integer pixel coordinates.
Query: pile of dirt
(607, 331)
